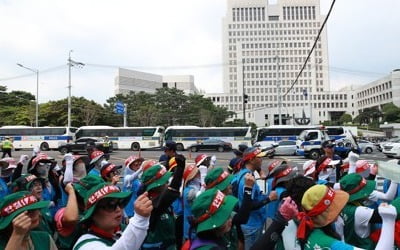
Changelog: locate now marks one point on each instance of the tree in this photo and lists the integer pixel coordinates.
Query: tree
(345, 118)
(391, 113)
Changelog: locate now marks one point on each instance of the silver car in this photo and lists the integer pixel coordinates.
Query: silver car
(286, 148)
(366, 146)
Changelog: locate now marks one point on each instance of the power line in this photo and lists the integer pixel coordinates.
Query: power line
(312, 49)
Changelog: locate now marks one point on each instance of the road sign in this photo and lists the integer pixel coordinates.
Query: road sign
(119, 108)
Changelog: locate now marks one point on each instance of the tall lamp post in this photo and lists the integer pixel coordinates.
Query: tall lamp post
(71, 63)
(37, 91)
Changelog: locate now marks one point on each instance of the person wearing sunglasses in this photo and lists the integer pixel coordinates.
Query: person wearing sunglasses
(103, 217)
(110, 173)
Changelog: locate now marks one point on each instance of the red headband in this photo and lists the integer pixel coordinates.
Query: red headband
(306, 223)
(188, 170)
(18, 204)
(274, 164)
(281, 174)
(214, 206)
(220, 179)
(96, 196)
(360, 186)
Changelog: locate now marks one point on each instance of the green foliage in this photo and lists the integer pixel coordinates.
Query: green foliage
(391, 113)
(345, 118)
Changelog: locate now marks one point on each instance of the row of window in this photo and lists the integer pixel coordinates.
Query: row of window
(233, 107)
(375, 99)
(274, 32)
(275, 45)
(271, 59)
(271, 38)
(274, 53)
(299, 12)
(248, 14)
(274, 25)
(375, 89)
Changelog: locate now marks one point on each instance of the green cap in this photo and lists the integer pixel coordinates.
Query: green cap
(212, 209)
(14, 204)
(86, 183)
(218, 178)
(100, 191)
(24, 182)
(155, 176)
(396, 204)
(357, 186)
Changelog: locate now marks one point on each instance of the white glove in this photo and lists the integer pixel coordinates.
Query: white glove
(68, 158)
(353, 158)
(213, 160)
(36, 151)
(387, 212)
(23, 159)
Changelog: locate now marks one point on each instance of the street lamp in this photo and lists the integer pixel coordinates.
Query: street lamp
(71, 63)
(37, 90)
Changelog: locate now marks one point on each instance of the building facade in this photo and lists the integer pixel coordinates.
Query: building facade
(137, 81)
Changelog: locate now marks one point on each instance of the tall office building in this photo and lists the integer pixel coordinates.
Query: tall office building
(264, 47)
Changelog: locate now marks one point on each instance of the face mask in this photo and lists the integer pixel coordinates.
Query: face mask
(43, 169)
(79, 170)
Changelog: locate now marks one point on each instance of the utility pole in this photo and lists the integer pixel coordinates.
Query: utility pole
(125, 114)
(71, 63)
(278, 86)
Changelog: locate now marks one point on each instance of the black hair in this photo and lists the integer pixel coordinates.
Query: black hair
(297, 186)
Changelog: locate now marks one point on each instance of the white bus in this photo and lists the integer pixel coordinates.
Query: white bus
(133, 138)
(184, 136)
(46, 138)
(266, 136)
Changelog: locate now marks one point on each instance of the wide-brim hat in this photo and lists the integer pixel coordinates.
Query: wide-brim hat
(14, 204)
(131, 159)
(95, 156)
(200, 159)
(253, 152)
(212, 209)
(189, 173)
(8, 163)
(274, 166)
(218, 178)
(317, 195)
(41, 157)
(24, 182)
(99, 192)
(357, 186)
(155, 176)
(108, 168)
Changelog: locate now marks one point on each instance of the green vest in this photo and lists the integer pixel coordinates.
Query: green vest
(39, 239)
(350, 235)
(6, 144)
(162, 232)
(46, 223)
(319, 240)
(231, 239)
(106, 144)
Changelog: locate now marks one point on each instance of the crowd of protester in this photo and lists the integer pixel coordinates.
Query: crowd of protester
(87, 202)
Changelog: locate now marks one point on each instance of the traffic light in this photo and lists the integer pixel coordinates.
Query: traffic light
(245, 98)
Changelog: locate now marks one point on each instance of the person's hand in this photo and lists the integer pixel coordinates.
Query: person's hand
(249, 180)
(213, 160)
(69, 188)
(180, 161)
(23, 159)
(22, 224)
(273, 195)
(288, 209)
(115, 179)
(143, 205)
(387, 211)
(373, 169)
(36, 151)
(69, 159)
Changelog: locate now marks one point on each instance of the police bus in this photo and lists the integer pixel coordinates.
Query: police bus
(185, 136)
(266, 136)
(133, 138)
(46, 138)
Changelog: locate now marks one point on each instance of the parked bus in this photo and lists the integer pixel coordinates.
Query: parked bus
(133, 138)
(266, 136)
(46, 138)
(184, 136)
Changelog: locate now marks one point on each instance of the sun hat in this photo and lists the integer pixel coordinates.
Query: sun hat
(131, 159)
(155, 176)
(147, 164)
(357, 186)
(218, 178)
(189, 173)
(253, 152)
(14, 204)
(100, 191)
(200, 159)
(24, 182)
(240, 150)
(95, 156)
(8, 163)
(322, 206)
(272, 167)
(108, 168)
(212, 209)
(283, 173)
(86, 183)
(41, 157)
(309, 168)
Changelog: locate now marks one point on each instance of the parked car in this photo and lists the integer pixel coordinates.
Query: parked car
(366, 146)
(211, 144)
(286, 148)
(80, 145)
(382, 144)
(392, 149)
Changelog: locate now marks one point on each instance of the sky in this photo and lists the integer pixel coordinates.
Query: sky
(166, 38)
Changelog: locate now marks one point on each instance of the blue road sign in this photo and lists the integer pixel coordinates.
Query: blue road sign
(119, 108)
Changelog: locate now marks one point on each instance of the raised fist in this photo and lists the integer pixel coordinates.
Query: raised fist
(143, 205)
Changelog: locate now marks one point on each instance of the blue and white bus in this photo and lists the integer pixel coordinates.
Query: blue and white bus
(133, 138)
(276, 133)
(185, 136)
(46, 138)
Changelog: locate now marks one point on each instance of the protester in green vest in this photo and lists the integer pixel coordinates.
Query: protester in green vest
(103, 216)
(321, 207)
(6, 147)
(106, 145)
(20, 214)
